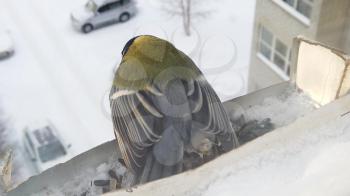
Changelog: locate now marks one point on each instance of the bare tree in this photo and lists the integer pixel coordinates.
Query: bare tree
(5, 171)
(9, 150)
(187, 9)
(5, 157)
(3, 133)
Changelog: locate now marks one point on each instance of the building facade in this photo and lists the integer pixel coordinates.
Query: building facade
(277, 22)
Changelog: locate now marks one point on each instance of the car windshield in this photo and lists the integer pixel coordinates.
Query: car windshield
(51, 151)
(91, 5)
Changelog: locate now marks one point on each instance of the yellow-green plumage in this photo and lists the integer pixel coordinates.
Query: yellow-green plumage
(148, 60)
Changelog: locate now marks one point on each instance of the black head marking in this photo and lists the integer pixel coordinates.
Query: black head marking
(128, 44)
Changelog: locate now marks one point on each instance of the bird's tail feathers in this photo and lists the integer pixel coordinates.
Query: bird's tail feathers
(153, 170)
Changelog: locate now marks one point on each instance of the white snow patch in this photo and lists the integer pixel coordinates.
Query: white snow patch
(83, 182)
(283, 109)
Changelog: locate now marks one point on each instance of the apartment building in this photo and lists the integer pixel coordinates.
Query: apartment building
(277, 22)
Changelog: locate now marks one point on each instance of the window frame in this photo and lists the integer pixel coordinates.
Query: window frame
(292, 10)
(273, 51)
(297, 2)
(307, 2)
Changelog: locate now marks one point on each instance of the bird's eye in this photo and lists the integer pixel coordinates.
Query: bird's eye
(127, 45)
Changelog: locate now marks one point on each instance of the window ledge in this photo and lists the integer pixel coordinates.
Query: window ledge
(274, 67)
(304, 20)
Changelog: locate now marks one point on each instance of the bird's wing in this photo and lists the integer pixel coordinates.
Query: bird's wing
(208, 114)
(136, 125)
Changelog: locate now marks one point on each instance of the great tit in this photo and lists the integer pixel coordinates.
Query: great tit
(163, 108)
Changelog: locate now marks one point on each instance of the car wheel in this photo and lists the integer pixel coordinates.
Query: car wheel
(124, 17)
(87, 28)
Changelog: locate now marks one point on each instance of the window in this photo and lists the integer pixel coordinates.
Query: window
(304, 7)
(266, 43)
(110, 6)
(125, 2)
(115, 4)
(289, 2)
(275, 51)
(29, 141)
(51, 151)
(279, 57)
(104, 8)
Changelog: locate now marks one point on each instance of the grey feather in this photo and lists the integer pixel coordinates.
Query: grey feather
(162, 125)
(169, 150)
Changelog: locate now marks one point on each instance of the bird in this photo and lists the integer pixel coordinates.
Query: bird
(164, 110)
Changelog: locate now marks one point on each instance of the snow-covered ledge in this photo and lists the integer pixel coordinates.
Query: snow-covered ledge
(308, 157)
(64, 173)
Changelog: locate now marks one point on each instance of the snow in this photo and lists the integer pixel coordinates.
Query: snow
(283, 109)
(83, 182)
(312, 163)
(5, 42)
(63, 75)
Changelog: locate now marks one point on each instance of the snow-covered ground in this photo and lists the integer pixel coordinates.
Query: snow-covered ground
(63, 75)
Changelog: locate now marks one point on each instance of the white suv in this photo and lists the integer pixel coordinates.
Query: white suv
(98, 13)
(44, 146)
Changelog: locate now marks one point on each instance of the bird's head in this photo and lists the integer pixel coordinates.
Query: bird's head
(148, 60)
(147, 47)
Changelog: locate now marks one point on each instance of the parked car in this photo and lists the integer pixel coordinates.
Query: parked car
(6, 45)
(98, 13)
(44, 146)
